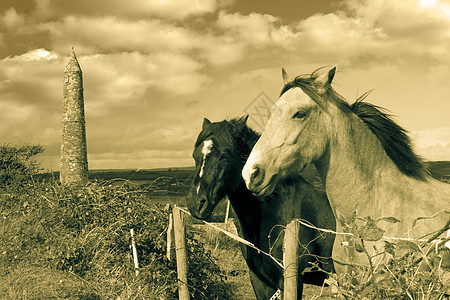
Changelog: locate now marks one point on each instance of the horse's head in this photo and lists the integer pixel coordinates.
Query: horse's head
(218, 165)
(296, 134)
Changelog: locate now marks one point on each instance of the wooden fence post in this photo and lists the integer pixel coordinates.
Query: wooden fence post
(290, 260)
(180, 246)
(170, 238)
(135, 257)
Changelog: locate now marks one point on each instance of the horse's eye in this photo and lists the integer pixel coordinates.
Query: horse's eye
(299, 115)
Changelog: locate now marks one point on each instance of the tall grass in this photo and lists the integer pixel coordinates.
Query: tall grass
(57, 242)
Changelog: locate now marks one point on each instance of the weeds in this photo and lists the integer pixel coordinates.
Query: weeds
(407, 270)
(79, 241)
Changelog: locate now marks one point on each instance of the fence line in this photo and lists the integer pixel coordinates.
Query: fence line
(291, 292)
(235, 237)
(309, 225)
(302, 222)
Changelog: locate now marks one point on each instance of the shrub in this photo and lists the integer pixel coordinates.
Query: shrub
(17, 163)
(86, 233)
(409, 269)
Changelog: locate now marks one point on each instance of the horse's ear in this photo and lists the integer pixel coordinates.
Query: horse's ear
(205, 122)
(326, 78)
(241, 122)
(244, 119)
(285, 76)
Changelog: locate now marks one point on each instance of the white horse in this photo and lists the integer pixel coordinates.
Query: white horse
(363, 157)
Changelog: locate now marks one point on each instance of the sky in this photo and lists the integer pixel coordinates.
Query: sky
(153, 69)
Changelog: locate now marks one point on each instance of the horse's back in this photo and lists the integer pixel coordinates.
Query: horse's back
(422, 204)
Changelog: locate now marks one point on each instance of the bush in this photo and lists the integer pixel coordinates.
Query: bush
(409, 270)
(17, 163)
(85, 234)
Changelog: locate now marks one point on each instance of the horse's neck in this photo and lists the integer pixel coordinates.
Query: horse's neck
(359, 175)
(247, 207)
(243, 201)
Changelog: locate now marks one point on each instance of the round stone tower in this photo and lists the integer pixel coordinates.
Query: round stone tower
(74, 166)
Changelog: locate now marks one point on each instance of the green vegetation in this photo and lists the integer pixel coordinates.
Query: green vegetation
(403, 270)
(59, 243)
(17, 164)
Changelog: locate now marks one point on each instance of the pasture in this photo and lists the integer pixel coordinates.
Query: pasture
(59, 244)
(175, 182)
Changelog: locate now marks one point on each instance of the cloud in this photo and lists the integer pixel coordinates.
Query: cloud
(11, 19)
(132, 79)
(253, 28)
(30, 78)
(417, 28)
(433, 144)
(166, 9)
(30, 85)
(115, 86)
(379, 30)
(34, 55)
(413, 18)
(152, 71)
(112, 34)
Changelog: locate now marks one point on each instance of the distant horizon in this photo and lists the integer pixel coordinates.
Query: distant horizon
(132, 169)
(193, 167)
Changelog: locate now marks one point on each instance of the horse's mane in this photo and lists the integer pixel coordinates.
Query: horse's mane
(392, 136)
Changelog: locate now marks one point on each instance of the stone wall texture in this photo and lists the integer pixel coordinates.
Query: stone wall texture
(74, 165)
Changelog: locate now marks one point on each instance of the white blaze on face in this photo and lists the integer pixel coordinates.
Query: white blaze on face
(207, 146)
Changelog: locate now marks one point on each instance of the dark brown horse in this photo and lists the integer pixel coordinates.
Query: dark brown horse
(220, 153)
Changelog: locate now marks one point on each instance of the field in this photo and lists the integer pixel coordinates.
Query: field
(181, 177)
(171, 186)
(76, 245)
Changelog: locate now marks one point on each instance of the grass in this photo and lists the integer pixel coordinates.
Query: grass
(229, 257)
(35, 282)
(57, 243)
(60, 243)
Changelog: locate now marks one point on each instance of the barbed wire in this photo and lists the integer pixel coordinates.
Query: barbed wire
(237, 238)
(301, 222)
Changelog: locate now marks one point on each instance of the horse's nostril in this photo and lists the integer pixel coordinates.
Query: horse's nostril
(202, 205)
(257, 177)
(255, 173)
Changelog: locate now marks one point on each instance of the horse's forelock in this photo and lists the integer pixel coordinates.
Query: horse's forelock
(316, 92)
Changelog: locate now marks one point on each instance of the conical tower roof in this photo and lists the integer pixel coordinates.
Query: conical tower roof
(72, 64)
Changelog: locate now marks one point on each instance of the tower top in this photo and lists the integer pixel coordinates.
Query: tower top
(72, 64)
